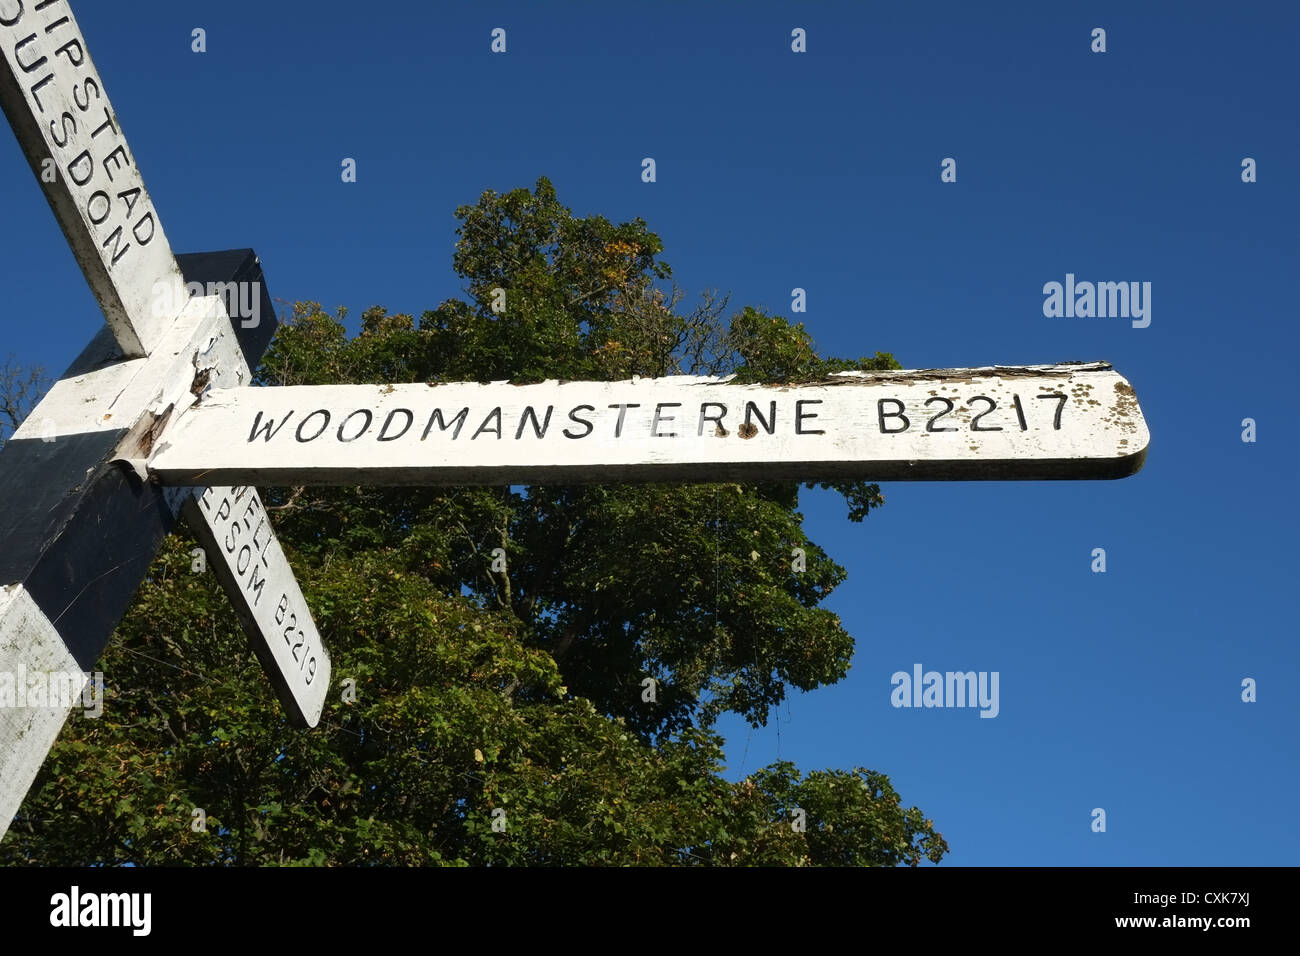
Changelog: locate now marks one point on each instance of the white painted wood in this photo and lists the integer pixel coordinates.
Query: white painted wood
(135, 397)
(198, 350)
(235, 531)
(56, 104)
(131, 396)
(877, 425)
(30, 647)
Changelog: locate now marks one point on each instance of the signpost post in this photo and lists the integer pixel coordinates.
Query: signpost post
(158, 407)
(78, 530)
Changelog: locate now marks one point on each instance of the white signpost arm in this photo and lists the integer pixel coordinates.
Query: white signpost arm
(233, 527)
(1054, 421)
(56, 104)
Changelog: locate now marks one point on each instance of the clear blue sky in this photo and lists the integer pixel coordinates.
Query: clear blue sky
(821, 171)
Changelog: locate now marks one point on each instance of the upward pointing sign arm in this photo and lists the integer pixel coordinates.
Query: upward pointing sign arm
(57, 106)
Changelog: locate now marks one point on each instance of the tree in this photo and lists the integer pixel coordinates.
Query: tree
(20, 389)
(554, 707)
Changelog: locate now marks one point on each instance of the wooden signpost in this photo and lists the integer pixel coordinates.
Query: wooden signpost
(66, 126)
(79, 530)
(1051, 421)
(232, 526)
(157, 418)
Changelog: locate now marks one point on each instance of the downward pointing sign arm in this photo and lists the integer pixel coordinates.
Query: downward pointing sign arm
(235, 531)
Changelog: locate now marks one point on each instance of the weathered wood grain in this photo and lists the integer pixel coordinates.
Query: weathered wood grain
(29, 645)
(55, 101)
(1013, 422)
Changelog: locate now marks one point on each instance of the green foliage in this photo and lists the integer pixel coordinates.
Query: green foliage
(476, 690)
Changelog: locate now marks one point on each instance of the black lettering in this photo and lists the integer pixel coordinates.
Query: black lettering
(36, 88)
(929, 426)
(135, 230)
(769, 425)
(115, 237)
(66, 50)
(495, 413)
(85, 88)
(65, 119)
(654, 422)
(235, 528)
(622, 410)
(26, 67)
(107, 124)
(975, 422)
(256, 584)
(573, 417)
(90, 168)
(270, 427)
(410, 420)
(324, 425)
(881, 415)
(130, 197)
(717, 421)
(101, 196)
(539, 428)
(1056, 422)
(8, 21)
(1020, 413)
(364, 428)
(116, 162)
(436, 418)
(800, 415)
